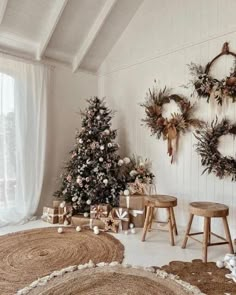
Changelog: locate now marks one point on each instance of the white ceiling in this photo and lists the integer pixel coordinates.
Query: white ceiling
(79, 33)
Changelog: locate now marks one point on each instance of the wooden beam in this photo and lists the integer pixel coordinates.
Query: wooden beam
(60, 6)
(92, 34)
(3, 6)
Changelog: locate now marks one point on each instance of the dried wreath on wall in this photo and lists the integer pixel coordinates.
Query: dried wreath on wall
(208, 140)
(169, 129)
(207, 86)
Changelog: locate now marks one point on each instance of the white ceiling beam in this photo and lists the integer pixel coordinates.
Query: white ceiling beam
(3, 6)
(97, 25)
(59, 7)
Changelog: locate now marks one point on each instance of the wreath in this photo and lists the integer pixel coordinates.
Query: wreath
(208, 140)
(169, 129)
(207, 86)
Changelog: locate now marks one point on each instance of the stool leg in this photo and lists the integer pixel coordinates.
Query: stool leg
(174, 221)
(190, 221)
(209, 232)
(170, 227)
(151, 219)
(205, 238)
(228, 236)
(146, 223)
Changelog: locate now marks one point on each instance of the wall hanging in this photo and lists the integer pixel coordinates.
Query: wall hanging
(169, 129)
(207, 147)
(207, 86)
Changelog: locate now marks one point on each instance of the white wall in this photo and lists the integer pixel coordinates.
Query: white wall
(69, 94)
(162, 38)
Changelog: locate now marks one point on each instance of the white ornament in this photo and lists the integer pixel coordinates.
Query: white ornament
(120, 162)
(133, 231)
(100, 159)
(80, 140)
(98, 117)
(220, 263)
(88, 202)
(126, 192)
(107, 131)
(131, 225)
(133, 173)
(96, 231)
(74, 199)
(60, 230)
(86, 214)
(109, 144)
(141, 164)
(66, 222)
(62, 205)
(102, 147)
(126, 160)
(95, 227)
(105, 181)
(101, 112)
(78, 228)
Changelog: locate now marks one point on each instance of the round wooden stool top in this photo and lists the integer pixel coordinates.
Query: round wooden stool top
(160, 201)
(209, 209)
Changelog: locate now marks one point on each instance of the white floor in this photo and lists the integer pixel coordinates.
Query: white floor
(156, 250)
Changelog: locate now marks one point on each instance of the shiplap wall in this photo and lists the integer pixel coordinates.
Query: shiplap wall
(162, 38)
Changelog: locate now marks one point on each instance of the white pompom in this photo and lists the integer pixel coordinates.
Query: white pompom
(131, 225)
(60, 230)
(95, 227)
(86, 214)
(220, 263)
(126, 192)
(133, 231)
(96, 231)
(78, 228)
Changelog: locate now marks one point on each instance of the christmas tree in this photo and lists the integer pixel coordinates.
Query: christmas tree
(92, 175)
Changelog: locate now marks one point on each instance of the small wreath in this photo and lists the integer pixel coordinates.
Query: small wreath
(169, 129)
(207, 86)
(208, 140)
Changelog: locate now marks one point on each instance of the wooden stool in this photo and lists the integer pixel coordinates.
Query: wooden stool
(160, 201)
(208, 210)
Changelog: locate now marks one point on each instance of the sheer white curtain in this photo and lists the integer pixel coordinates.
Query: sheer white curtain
(24, 90)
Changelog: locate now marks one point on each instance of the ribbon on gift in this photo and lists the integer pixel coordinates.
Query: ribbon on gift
(46, 215)
(121, 215)
(98, 211)
(135, 212)
(127, 201)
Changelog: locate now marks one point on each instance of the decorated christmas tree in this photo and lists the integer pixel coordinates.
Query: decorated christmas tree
(92, 175)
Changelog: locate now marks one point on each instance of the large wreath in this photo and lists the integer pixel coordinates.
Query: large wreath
(169, 129)
(208, 86)
(208, 140)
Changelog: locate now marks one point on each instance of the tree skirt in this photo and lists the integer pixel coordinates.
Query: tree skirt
(206, 276)
(25, 256)
(108, 280)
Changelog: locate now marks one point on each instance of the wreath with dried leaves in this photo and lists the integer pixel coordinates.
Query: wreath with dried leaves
(208, 141)
(169, 129)
(207, 86)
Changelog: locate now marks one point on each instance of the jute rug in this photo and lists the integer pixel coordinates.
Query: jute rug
(206, 276)
(26, 256)
(109, 280)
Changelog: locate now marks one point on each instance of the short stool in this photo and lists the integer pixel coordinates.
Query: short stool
(160, 201)
(208, 210)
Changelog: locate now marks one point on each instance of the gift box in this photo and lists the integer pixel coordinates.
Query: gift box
(111, 224)
(64, 214)
(50, 215)
(135, 204)
(123, 215)
(87, 222)
(99, 211)
(56, 203)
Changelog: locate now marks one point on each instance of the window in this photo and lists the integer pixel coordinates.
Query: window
(7, 142)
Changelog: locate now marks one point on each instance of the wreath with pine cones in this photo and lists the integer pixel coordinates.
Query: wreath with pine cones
(208, 140)
(169, 129)
(207, 86)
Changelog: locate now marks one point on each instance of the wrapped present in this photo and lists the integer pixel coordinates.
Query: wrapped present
(123, 215)
(56, 203)
(111, 224)
(50, 215)
(135, 204)
(87, 222)
(99, 211)
(64, 214)
(140, 188)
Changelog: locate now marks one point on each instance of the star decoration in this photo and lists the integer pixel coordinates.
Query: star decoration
(111, 224)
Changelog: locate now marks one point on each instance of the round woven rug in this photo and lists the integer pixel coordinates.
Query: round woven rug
(26, 256)
(109, 280)
(206, 276)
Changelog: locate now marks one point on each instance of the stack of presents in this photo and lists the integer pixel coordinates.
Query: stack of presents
(129, 214)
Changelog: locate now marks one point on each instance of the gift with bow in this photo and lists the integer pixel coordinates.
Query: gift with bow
(99, 211)
(64, 214)
(121, 214)
(50, 215)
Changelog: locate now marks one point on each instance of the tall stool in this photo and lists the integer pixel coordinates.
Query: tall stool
(208, 210)
(160, 201)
